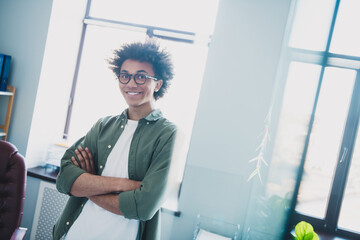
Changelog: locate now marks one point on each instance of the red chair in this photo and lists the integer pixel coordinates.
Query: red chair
(12, 192)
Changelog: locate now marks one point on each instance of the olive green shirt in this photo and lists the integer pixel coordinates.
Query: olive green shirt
(149, 162)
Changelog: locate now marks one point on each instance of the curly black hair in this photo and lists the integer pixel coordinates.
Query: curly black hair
(149, 52)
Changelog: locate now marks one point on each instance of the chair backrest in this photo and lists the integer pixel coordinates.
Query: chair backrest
(12, 189)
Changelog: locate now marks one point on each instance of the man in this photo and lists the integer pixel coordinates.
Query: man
(116, 174)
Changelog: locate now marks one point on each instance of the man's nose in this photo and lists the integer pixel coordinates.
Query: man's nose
(132, 82)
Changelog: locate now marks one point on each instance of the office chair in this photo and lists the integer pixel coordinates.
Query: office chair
(12, 192)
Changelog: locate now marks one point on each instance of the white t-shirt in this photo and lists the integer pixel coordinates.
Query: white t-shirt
(95, 222)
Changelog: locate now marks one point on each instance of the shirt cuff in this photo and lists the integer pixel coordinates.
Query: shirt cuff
(127, 205)
(64, 182)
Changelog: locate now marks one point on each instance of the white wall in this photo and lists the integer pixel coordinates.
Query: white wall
(23, 30)
(235, 99)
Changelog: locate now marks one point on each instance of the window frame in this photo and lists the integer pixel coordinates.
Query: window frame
(327, 59)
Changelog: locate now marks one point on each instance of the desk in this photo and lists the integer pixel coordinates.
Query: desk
(44, 173)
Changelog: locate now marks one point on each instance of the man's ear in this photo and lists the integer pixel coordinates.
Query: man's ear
(158, 85)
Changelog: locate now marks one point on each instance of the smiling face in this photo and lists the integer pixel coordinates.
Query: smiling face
(140, 98)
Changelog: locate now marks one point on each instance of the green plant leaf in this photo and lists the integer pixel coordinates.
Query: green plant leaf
(304, 231)
(309, 236)
(316, 237)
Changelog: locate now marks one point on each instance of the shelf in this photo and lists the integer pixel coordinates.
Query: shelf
(6, 93)
(10, 92)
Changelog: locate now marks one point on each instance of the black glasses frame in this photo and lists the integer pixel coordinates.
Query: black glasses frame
(135, 76)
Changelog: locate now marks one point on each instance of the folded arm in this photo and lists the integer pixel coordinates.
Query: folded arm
(88, 184)
(135, 200)
(109, 202)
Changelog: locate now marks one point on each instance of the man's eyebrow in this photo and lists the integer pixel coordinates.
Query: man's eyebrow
(139, 71)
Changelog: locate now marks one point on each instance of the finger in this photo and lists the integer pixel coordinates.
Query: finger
(86, 159)
(91, 160)
(74, 161)
(80, 158)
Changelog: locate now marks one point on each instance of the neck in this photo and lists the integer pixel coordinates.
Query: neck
(137, 113)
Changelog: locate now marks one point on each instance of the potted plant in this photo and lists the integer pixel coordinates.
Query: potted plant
(305, 231)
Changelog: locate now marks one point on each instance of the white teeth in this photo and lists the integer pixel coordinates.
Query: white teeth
(133, 93)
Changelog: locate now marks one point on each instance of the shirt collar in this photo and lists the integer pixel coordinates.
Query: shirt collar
(153, 116)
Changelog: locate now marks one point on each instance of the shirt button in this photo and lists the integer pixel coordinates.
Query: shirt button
(82, 205)
(67, 223)
(101, 166)
(147, 123)
(109, 146)
(122, 126)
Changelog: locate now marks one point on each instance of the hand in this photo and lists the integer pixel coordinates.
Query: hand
(85, 158)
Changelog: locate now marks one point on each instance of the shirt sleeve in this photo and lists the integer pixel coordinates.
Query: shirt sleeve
(68, 171)
(143, 203)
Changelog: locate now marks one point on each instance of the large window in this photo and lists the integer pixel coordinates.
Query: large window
(322, 109)
(107, 25)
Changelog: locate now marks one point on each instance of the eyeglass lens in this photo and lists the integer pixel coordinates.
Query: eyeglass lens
(139, 78)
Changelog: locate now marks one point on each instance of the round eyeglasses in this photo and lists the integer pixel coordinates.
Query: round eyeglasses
(139, 78)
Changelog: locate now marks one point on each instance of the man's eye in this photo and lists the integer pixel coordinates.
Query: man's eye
(124, 76)
(141, 77)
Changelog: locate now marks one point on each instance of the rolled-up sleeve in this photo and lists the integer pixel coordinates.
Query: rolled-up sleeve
(68, 171)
